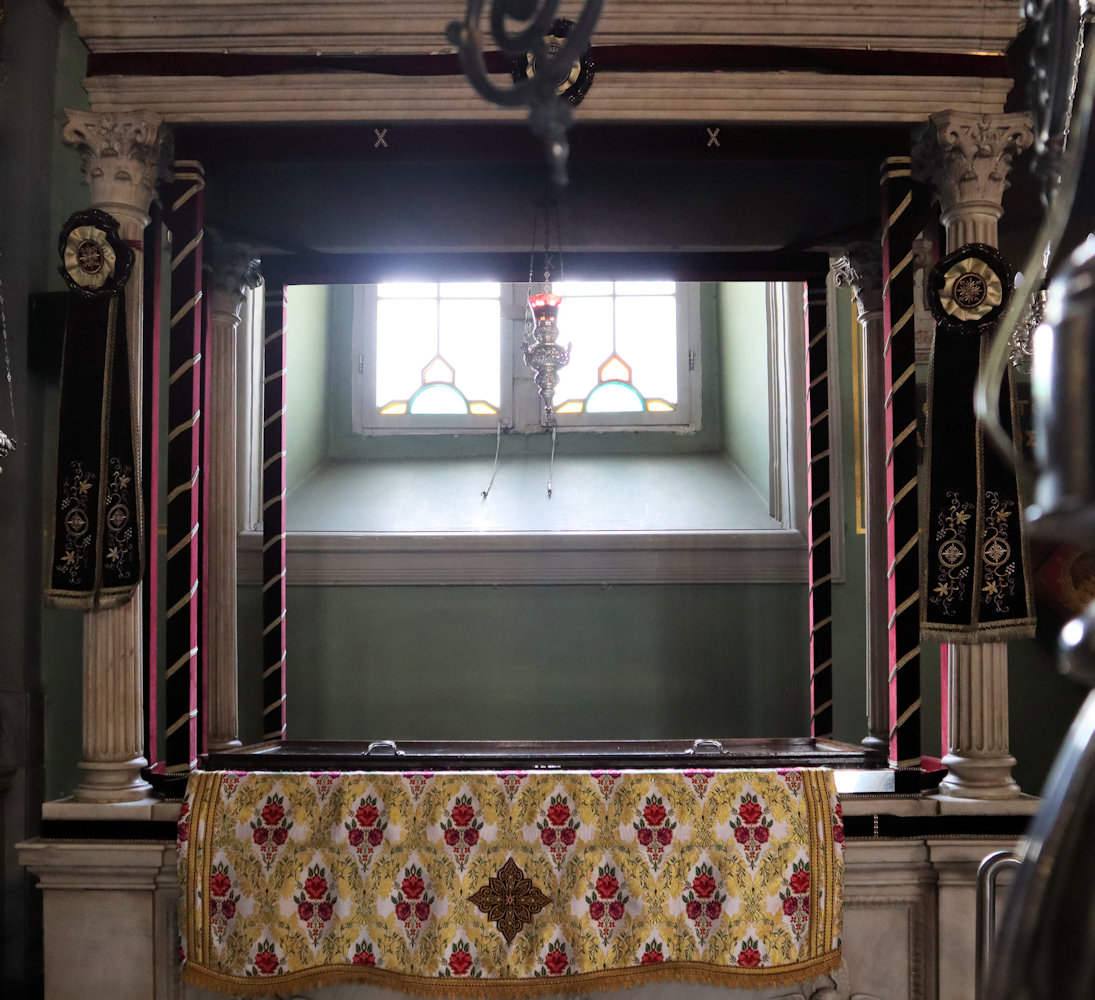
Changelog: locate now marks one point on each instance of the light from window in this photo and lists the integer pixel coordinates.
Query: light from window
(623, 338)
(447, 356)
(438, 348)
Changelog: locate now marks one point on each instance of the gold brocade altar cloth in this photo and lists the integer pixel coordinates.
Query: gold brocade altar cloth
(509, 884)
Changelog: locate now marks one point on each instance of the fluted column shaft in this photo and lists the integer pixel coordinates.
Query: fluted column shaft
(120, 162)
(972, 157)
(232, 271)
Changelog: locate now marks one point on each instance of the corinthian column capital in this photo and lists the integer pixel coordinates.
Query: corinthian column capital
(121, 155)
(861, 270)
(232, 270)
(968, 157)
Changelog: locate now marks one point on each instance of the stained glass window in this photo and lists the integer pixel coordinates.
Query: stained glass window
(438, 348)
(623, 337)
(436, 356)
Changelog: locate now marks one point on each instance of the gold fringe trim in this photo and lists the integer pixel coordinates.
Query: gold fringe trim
(504, 989)
(976, 633)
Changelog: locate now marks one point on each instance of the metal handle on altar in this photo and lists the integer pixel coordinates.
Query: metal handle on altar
(383, 748)
(707, 748)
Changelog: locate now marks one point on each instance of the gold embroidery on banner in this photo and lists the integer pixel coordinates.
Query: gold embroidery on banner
(999, 567)
(952, 552)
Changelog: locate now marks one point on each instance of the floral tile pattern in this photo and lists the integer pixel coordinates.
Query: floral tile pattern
(292, 879)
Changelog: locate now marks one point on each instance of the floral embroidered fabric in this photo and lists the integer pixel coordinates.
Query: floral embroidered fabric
(456, 883)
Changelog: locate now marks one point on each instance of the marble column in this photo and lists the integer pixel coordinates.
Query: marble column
(861, 270)
(231, 272)
(969, 157)
(121, 159)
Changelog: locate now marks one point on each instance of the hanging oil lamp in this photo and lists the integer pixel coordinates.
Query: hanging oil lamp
(543, 354)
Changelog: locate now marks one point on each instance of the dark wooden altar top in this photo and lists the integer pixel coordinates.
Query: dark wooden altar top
(524, 755)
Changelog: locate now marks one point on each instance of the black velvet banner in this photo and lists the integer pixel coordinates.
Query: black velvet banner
(97, 535)
(975, 578)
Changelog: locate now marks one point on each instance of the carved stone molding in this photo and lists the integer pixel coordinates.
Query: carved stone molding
(861, 270)
(121, 154)
(969, 157)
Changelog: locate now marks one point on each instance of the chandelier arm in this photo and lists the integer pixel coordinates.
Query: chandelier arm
(549, 115)
(529, 37)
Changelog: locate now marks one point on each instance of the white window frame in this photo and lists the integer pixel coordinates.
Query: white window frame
(521, 409)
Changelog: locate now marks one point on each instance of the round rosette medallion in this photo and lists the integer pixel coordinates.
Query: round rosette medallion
(969, 288)
(94, 258)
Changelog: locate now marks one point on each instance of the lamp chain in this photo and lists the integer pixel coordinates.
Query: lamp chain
(494, 471)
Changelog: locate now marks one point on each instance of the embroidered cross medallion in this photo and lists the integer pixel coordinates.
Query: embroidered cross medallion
(510, 900)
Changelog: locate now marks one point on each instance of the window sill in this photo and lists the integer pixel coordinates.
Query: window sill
(344, 559)
(654, 519)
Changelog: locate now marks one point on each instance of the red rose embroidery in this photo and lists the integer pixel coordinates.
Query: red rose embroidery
(364, 958)
(567, 835)
(266, 962)
(761, 834)
(693, 908)
(315, 886)
(259, 837)
(413, 887)
(228, 908)
(741, 834)
(557, 815)
(749, 958)
(305, 911)
(616, 910)
(714, 909)
(452, 836)
(649, 957)
(596, 909)
(749, 812)
(790, 906)
(838, 834)
(324, 910)
(703, 886)
(402, 910)
(460, 962)
(607, 886)
(366, 814)
(462, 814)
(219, 884)
(547, 835)
(375, 836)
(272, 813)
(280, 834)
(665, 836)
(800, 881)
(471, 836)
(356, 836)
(556, 962)
(645, 836)
(654, 814)
(422, 911)
(184, 832)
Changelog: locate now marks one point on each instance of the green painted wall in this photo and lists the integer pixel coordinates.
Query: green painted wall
(743, 367)
(569, 662)
(306, 351)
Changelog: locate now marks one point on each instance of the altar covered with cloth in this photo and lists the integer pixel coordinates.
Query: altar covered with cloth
(500, 883)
